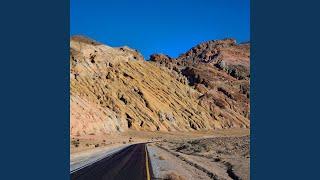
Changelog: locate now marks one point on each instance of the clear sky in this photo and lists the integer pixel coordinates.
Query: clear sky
(160, 26)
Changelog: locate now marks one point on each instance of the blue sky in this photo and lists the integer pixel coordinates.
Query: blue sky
(160, 26)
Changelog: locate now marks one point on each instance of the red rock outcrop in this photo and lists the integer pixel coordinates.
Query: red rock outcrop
(220, 72)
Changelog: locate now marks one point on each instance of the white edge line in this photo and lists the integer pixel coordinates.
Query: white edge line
(88, 164)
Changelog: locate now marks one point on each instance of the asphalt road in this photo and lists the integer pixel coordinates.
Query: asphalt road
(130, 163)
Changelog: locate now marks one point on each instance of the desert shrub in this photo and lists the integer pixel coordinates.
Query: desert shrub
(183, 147)
(219, 151)
(173, 176)
(197, 149)
(76, 143)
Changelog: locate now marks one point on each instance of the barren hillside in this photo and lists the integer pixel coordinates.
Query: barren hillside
(113, 89)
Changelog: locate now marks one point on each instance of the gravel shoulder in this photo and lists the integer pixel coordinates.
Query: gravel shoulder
(166, 165)
(216, 157)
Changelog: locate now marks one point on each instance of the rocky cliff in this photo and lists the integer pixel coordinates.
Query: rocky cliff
(113, 89)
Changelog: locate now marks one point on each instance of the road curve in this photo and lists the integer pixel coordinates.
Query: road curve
(131, 163)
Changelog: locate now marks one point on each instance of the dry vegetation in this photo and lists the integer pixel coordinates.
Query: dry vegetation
(174, 176)
(225, 157)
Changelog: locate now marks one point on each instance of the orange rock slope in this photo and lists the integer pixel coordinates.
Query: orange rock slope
(113, 89)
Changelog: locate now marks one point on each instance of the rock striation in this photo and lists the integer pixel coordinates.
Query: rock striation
(115, 89)
(220, 71)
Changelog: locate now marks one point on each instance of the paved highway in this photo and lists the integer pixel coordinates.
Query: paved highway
(129, 163)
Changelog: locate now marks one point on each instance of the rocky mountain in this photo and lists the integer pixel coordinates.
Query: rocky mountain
(113, 89)
(220, 71)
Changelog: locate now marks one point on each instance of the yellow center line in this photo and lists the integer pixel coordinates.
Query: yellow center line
(147, 163)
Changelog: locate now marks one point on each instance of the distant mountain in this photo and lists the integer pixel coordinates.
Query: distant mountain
(113, 89)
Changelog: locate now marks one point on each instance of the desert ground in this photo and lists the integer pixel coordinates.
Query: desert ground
(219, 154)
(189, 115)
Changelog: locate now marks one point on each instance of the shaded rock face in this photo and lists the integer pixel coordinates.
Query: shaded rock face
(160, 58)
(114, 89)
(225, 54)
(220, 72)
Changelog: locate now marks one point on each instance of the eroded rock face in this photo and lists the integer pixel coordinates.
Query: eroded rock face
(160, 58)
(113, 89)
(220, 72)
